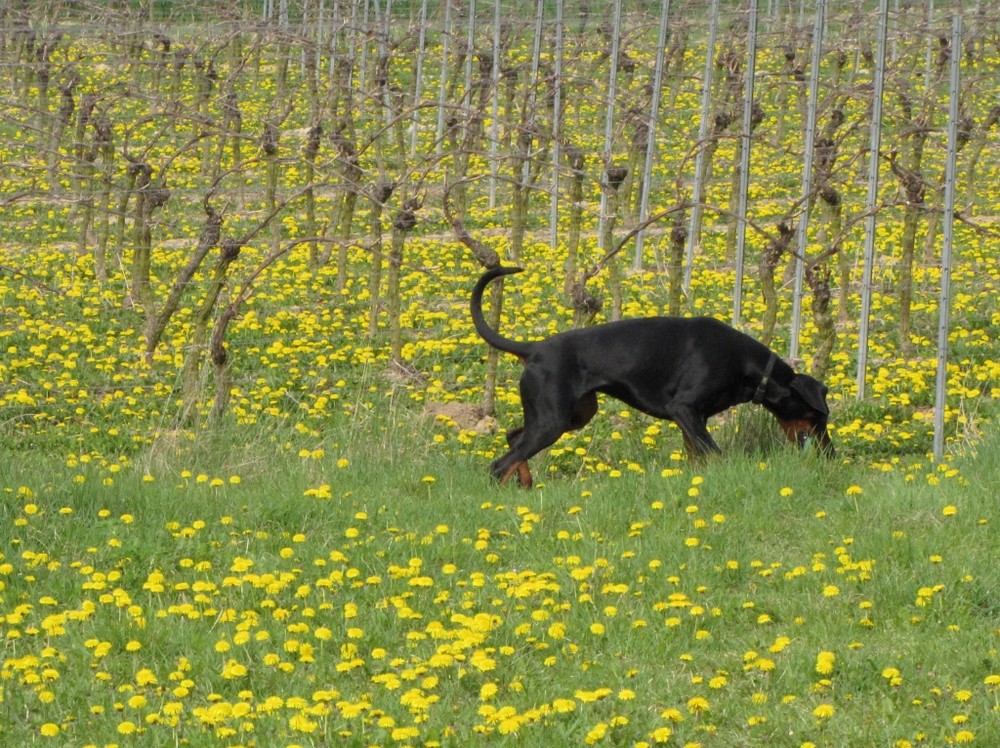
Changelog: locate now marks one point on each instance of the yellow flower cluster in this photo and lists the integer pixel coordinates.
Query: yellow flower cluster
(141, 605)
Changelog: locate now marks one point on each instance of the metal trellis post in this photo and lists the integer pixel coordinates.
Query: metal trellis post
(741, 229)
(871, 202)
(807, 179)
(609, 116)
(654, 113)
(694, 238)
(944, 307)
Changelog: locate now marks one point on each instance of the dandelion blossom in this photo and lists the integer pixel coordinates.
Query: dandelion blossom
(892, 675)
(660, 735)
(824, 662)
(823, 711)
(597, 732)
(562, 706)
(697, 705)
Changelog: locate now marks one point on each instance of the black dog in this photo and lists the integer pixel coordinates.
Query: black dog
(684, 370)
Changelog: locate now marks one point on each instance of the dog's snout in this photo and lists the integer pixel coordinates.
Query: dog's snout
(803, 432)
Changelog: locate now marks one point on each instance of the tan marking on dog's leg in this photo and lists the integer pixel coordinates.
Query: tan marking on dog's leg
(524, 474)
(509, 472)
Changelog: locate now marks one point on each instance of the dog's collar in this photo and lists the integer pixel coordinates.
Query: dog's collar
(758, 396)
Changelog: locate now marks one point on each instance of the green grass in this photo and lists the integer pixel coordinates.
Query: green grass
(386, 592)
(327, 566)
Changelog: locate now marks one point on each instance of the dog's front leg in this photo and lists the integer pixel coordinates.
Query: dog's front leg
(698, 443)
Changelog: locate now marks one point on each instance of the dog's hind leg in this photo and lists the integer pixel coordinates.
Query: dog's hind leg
(547, 416)
(513, 435)
(503, 469)
(520, 469)
(584, 410)
(528, 443)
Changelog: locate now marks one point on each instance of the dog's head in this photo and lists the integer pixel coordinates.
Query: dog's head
(801, 409)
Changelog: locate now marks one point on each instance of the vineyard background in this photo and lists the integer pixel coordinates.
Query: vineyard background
(261, 204)
(244, 416)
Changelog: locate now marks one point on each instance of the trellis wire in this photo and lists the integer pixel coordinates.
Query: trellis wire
(609, 121)
(336, 36)
(895, 43)
(556, 128)
(807, 179)
(418, 83)
(745, 143)
(533, 91)
(317, 53)
(654, 111)
(694, 230)
(929, 53)
(944, 306)
(470, 46)
(871, 200)
(495, 105)
(382, 24)
(361, 33)
(443, 88)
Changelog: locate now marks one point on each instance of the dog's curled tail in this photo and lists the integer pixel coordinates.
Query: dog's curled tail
(486, 332)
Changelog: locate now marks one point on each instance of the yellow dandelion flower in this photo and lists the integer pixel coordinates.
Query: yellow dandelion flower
(404, 734)
(591, 696)
(892, 675)
(697, 705)
(672, 715)
(823, 711)
(49, 730)
(145, 677)
(824, 662)
(661, 735)
(563, 706)
(596, 733)
(233, 670)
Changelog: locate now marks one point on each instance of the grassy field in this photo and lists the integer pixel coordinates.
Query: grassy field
(386, 593)
(326, 561)
(332, 565)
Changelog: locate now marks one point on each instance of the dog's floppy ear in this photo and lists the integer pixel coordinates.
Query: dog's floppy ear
(812, 391)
